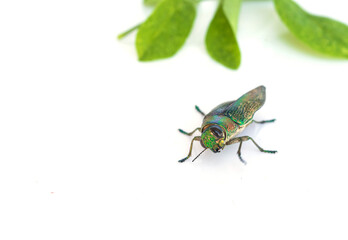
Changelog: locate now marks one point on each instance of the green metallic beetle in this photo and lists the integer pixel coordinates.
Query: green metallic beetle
(224, 122)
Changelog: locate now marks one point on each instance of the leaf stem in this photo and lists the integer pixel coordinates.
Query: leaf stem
(122, 35)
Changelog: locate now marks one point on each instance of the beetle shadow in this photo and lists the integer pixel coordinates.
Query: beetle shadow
(228, 156)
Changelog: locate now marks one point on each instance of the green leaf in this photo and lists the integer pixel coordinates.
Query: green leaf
(166, 30)
(221, 41)
(320, 33)
(231, 9)
(151, 2)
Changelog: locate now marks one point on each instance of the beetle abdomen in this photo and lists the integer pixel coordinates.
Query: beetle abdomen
(243, 109)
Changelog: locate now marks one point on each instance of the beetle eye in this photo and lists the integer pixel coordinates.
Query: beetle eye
(216, 132)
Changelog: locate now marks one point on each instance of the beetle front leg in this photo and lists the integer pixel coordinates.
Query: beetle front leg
(190, 133)
(246, 138)
(197, 138)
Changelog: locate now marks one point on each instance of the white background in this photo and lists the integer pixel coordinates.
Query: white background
(89, 142)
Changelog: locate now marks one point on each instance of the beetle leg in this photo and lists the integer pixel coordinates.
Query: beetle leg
(197, 138)
(246, 138)
(199, 110)
(190, 133)
(265, 121)
(240, 154)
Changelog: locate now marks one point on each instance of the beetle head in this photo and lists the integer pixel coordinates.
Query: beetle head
(213, 137)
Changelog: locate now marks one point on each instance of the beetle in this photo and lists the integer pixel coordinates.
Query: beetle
(221, 125)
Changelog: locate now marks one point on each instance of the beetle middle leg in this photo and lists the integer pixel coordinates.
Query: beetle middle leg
(199, 129)
(265, 121)
(243, 139)
(239, 152)
(190, 133)
(197, 138)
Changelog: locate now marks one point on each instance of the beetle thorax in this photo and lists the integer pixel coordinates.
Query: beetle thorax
(229, 127)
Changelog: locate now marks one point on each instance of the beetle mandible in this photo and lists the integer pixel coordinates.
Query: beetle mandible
(224, 122)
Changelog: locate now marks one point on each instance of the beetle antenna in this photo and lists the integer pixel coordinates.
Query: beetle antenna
(199, 154)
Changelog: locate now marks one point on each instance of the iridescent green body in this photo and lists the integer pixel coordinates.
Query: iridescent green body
(234, 116)
(224, 122)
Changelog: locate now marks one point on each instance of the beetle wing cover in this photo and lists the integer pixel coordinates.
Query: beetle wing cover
(243, 109)
(220, 109)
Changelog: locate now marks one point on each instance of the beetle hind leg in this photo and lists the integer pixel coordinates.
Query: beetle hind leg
(199, 110)
(265, 121)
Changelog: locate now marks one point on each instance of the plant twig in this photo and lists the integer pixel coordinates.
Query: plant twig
(122, 35)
